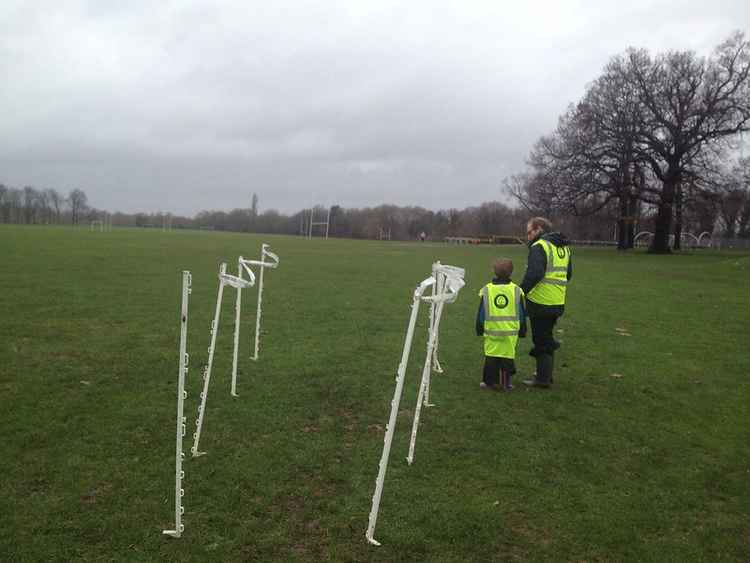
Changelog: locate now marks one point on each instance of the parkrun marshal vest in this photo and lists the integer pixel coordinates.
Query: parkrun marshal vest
(502, 305)
(551, 289)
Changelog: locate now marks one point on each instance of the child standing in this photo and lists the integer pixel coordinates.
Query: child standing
(501, 319)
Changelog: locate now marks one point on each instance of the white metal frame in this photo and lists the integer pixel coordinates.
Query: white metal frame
(179, 492)
(641, 234)
(384, 234)
(452, 284)
(238, 283)
(319, 223)
(262, 264)
(695, 238)
(440, 272)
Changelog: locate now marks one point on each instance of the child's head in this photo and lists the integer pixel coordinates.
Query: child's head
(503, 268)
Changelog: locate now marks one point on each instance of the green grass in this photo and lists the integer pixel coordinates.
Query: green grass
(650, 466)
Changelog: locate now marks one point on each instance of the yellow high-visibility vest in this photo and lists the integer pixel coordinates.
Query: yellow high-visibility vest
(502, 306)
(551, 289)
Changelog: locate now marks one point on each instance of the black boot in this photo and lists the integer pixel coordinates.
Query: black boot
(507, 381)
(549, 367)
(544, 367)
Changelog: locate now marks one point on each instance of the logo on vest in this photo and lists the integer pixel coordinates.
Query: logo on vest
(561, 251)
(504, 301)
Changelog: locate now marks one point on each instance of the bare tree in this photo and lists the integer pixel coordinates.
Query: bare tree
(77, 200)
(14, 208)
(647, 130)
(43, 207)
(734, 200)
(30, 203)
(55, 200)
(687, 103)
(4, 204)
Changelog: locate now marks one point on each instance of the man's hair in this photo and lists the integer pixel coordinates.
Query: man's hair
(540, 222)
(503, 267)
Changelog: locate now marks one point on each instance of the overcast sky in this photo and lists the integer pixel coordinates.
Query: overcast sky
(184, 106)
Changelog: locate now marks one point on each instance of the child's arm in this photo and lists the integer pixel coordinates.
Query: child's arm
(480, 318)
(522, 317)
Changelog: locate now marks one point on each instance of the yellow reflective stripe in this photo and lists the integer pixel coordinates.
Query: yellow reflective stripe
(553, 281)
(548, 251)
(500, 332)
(550, 257)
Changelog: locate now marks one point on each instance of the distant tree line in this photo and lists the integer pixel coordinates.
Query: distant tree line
(724, 210)
(653, 141)
(32, 206)
(384, 221)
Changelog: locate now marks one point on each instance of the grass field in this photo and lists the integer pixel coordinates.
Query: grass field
(640, 453)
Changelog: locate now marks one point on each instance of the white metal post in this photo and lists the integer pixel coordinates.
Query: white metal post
(179, 510)
(453, 282)
(274, 262)
(438, 305)
(237, 308)
(328, 221)
(258, 311)
(207, 370)
(440, 285)
(394, 412)
(239, 283)
(437, 290)
(424, 387)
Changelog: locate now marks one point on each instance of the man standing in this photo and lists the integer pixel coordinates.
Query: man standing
(548, 272)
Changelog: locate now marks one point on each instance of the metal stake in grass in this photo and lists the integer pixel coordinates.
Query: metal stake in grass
(450, 292)
(179, 510)
(241, 264)
(450, 280)
(262, 264)
(238, 283)
(440, 272)
(439, 281)
(274, 263)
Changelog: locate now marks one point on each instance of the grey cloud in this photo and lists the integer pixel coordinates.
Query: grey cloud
(148, 106)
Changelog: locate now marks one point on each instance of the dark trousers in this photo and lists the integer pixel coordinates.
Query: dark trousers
(541, 334)
(494, 367)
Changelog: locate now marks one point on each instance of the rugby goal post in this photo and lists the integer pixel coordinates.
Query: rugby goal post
(321, 224)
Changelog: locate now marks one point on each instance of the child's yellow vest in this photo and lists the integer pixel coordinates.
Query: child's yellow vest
(502, 305)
